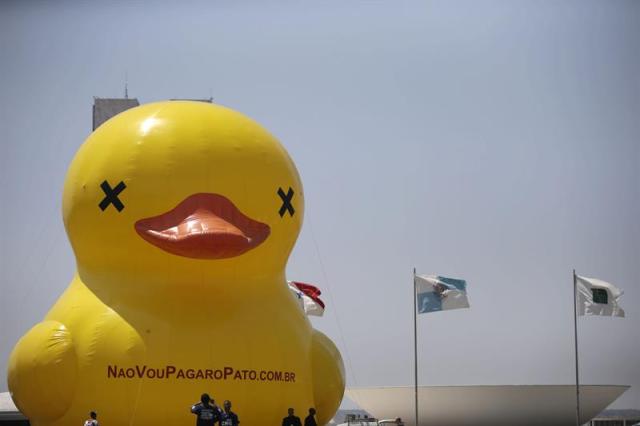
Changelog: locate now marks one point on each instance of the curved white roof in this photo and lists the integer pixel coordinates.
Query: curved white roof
(8, 410)
(522, 405)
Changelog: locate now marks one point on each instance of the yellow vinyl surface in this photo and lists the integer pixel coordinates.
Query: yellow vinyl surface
(141, 332)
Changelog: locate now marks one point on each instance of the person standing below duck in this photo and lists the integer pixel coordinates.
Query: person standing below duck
(291, 420)
(310, 420)
(92, 421)
(206, 411)
(228, 417)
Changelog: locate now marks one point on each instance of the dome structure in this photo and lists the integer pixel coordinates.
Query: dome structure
(503, 405)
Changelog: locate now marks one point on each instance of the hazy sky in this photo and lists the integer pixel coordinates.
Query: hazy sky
(495, 141)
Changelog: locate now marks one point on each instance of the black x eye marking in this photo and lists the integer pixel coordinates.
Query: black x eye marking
(111, 195)
(286, 202)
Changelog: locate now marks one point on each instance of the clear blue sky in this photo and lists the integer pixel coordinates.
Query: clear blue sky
(496, 141)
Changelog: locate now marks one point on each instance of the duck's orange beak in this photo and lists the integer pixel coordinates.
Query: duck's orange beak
(203, 226)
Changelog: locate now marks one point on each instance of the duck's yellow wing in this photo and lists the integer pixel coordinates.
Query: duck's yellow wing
(42, 372)
(328, 376)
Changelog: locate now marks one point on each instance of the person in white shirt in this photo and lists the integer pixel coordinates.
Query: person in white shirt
(92, 421)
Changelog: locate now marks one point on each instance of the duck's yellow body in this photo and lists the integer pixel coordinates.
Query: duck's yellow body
(182, 216)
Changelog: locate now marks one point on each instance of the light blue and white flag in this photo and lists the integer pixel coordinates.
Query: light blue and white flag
(435, 293)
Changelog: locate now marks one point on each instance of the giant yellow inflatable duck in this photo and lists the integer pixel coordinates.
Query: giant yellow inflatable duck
(182, 216)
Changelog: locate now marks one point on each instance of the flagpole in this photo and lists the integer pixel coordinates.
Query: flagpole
(575, 333)
(415, 344)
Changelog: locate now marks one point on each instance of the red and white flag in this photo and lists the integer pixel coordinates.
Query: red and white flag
(308, 296)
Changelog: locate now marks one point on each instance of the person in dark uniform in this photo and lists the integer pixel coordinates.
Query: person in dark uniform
(291, 420)
(208, 414)
(228, 417)
(310, 420)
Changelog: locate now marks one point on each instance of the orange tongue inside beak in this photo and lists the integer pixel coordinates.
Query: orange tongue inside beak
(199, 222)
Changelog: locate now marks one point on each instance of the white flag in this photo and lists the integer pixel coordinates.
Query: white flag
(597, 297)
